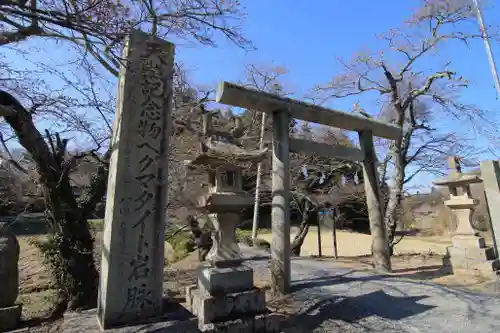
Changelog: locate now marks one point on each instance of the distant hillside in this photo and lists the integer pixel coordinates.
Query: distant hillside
(426, 211)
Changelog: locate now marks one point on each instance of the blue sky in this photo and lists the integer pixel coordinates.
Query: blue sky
(307, 37)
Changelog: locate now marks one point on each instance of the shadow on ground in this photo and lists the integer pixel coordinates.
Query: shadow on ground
(337, 312)
(26, 226)
(424, 272)
(420, 273)
(338, 279)
(377, 311)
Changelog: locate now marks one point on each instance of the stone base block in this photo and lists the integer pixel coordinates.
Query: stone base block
(189, 295)
(486, 253)
(468, 242)
(470, 254)
(263, 323)
(219, 281)
(173, 322)
(486, 268)
(209, 309)
(10, 317)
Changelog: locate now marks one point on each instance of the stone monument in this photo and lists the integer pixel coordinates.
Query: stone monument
(490, 173)
(131, 282)
(10, 313)
(469, 251)
(225, 298)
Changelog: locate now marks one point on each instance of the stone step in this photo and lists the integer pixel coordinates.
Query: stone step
(486, 253)
(468, 241)
(487, 268)
(264, 323)
(211, 309)
(219, 281)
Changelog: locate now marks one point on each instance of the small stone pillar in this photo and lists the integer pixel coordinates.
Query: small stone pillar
(10, 313)
(469, 251)
(225, 298)
(490, 173)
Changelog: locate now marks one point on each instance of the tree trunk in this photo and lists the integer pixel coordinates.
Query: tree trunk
(398, 152)
(81, 276)
(395, 195)
(303, 230)
(69, 249)
(73, 262)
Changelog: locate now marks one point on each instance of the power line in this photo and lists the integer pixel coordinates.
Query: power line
(487, 46)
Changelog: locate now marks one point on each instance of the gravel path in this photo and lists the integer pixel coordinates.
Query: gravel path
(342, 300)
(334, 299)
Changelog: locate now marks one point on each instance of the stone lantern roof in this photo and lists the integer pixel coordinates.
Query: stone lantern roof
(458, 180)
(218, 153)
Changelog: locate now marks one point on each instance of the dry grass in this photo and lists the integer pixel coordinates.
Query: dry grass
(351, 244)
(35, 291)
(32, 274)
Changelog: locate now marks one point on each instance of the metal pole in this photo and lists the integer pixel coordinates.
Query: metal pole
(276, 89)
(255, 224)
(487, 46)
(334, 231)
(320, 252)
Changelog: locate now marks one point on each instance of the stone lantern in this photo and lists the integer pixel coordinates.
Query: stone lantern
(469, 251)
(225, 198)
(225, 290)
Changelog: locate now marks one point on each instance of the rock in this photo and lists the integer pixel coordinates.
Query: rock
(9, 273)
(262, 244)
(169, 252)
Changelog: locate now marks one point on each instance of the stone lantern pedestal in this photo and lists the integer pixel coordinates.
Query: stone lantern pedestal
(468, 251)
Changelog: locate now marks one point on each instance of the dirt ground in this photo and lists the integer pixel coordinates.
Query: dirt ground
(417, 258)
(350, 244)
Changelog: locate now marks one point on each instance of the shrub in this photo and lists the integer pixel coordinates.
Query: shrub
(49, 250)
(182, 243)
(35, 204)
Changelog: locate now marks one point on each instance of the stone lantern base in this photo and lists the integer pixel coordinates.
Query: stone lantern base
(469, 253)
(226, 300)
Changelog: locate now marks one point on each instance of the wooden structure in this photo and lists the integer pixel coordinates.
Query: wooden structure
(282, 110)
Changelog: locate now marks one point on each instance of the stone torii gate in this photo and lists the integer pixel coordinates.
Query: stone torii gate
(282, 110)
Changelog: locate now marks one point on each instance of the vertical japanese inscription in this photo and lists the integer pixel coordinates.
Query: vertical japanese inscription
(132, 260)
(146, 201)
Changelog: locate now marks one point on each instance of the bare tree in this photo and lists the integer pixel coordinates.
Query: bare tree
(81, 110)
(98, 27)
(414, 96)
